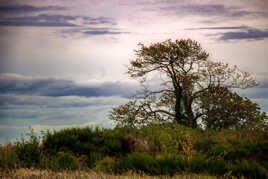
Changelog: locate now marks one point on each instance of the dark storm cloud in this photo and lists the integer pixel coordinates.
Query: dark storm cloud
(249, 34)
(10, 84)
(50, 20)
(14, 9)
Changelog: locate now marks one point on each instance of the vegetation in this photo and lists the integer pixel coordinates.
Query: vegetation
(192, 87)
(155, 149)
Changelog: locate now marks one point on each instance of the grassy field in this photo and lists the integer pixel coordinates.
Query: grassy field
(45, 174)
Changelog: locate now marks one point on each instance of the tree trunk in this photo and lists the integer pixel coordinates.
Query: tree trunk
(183, 110)
(191, 121)
(179, 118)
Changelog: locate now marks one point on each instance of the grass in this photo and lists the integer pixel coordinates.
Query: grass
(44, 174)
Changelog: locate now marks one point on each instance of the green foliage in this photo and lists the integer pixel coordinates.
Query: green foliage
(198, 164)
(84, 141)
(67, 161)
(161, 164)
(217, 166)
(250, 169)
(28, 151)
(137, 162)
(8, 157)
(164, 149)
(92, 158)
(166, 138)
(204, 144)
(106, 165)
(49, 162)
(169, 164)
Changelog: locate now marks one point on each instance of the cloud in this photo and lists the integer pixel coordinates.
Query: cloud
(218, 28)
(94, 31)
(15, 9)
(101, 32)
(42, 20)
(245, 33)
(52, 20)
(16, 84)
(8, 101)
(249, 34)
(43, 110)
(209, 10)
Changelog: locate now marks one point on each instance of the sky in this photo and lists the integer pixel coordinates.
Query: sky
(63, 63)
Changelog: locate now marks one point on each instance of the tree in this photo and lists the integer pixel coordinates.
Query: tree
(190, 84)
(226, 109)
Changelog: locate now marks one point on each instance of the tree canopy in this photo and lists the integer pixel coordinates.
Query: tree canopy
(192, 87)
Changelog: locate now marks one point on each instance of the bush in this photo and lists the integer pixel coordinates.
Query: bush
(166, 164)
(220, 150)
(106, 165)
(249, 170)
(197, 164)
(84, 141)
(137, 162)
(8, 157)
(205, 144)
(217, 166)
(92, 158)
(29, 152)
(67, 161)
(49, 162)
(169, 164)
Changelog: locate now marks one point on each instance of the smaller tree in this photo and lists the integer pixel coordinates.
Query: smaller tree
(226, 109)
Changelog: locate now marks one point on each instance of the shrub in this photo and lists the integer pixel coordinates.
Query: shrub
(84, 141)
(205, 144)
(217, 166)
(8, 157)
(137, 162)
(249, 169)
(220, 150)
(92, 158)
(197, 164)
(169, 164)
(28, 152)
(49, 162)
(67, 161)
(161, 164)
(106, 165)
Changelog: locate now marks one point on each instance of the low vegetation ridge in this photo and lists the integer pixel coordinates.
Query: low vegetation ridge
(155, 150)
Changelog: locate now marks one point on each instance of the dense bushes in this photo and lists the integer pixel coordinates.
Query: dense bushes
(28, 151)
(84, 141)
(164, 149)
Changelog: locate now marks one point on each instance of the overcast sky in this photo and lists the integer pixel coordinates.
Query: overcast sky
(63, 63)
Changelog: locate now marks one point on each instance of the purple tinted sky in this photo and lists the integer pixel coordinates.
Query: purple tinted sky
(62, 62)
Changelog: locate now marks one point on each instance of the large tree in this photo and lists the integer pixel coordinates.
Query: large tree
(191, 86)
